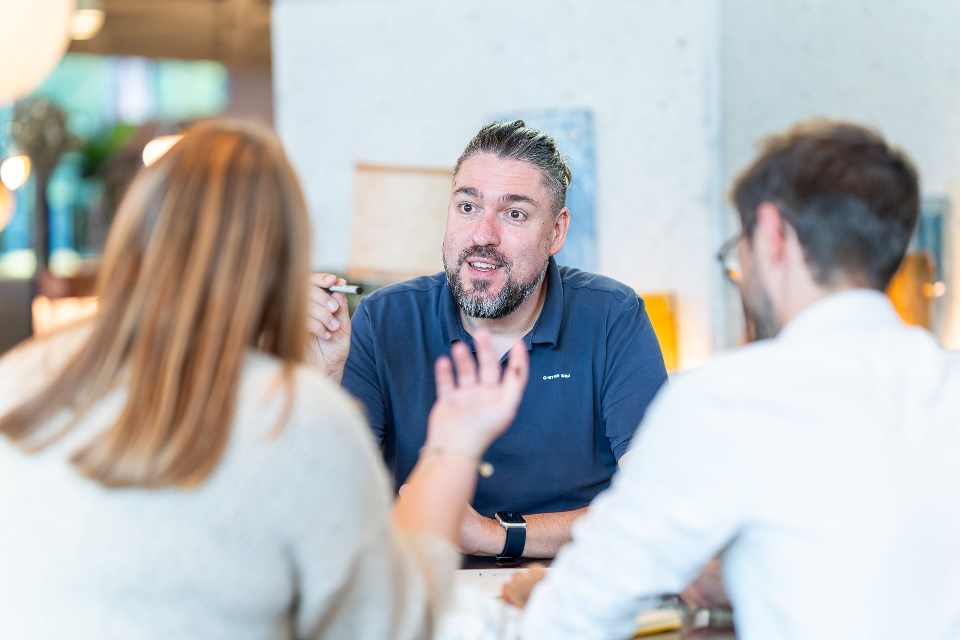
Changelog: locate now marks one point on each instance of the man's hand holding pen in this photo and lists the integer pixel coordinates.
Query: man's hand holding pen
(328, 324)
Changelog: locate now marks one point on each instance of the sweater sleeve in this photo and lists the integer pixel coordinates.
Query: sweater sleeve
(360, 377)
(356, 575)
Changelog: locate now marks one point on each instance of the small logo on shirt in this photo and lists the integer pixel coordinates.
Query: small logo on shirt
(556, 375)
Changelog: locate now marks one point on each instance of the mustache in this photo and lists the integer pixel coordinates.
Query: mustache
(489, 253)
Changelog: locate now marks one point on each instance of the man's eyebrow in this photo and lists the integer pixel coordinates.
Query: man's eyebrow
(512, 197)
(470, 191)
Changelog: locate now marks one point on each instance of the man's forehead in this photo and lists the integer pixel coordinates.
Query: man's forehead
(487, 176)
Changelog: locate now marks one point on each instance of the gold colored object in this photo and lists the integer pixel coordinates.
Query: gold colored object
(485, 468)
(913, 289)
(660, 307)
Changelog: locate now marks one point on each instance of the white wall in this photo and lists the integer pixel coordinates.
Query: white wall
(410, 82)
(894, 65)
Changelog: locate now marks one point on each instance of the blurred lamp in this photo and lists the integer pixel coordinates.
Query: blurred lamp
(33, 37)
(87, 19)
(157, 147)
(14, 170)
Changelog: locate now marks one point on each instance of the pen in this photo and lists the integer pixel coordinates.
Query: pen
(346, 288)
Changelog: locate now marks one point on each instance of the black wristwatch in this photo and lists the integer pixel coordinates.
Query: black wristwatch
(515, 536)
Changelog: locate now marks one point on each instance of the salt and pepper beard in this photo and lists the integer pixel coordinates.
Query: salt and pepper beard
(472, 303)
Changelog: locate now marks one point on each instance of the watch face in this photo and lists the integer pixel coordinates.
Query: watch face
(511, 517)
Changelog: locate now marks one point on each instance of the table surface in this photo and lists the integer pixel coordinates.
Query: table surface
(484, 575)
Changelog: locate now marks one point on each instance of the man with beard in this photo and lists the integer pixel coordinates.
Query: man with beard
(821, 462)
(595, 362)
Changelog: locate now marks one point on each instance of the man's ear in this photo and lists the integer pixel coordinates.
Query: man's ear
(769, 237)
(560, 228)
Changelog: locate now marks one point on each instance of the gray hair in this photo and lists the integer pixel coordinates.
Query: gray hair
(515, 141)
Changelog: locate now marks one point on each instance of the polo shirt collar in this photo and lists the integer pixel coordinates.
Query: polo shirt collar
(549, 323)
(547, 326)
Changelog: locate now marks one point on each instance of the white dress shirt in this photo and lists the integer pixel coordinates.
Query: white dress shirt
(823, 463)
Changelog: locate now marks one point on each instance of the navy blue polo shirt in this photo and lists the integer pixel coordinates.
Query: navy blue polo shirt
(594, 366)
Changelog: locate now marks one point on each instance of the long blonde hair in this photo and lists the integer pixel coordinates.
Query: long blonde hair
(207, 258)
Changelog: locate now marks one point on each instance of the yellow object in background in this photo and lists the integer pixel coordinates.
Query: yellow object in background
(658, 621)
(7, 206)
(661, 308)
(913, 290)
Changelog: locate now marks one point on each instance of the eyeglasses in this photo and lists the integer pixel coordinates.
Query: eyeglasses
(729, 260)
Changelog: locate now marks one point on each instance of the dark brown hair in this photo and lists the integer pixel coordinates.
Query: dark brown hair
(852, 200)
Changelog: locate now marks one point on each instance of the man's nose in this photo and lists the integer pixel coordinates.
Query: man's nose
(486, 232)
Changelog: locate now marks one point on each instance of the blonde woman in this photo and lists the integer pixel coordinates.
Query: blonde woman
(169, 469)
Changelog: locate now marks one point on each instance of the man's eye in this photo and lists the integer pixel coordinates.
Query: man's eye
(517, 215)
(466, 207)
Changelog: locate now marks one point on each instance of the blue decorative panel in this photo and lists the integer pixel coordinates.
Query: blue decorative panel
(572, 129)
(929, 235)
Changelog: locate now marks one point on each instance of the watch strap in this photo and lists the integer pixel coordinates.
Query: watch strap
(515, 543)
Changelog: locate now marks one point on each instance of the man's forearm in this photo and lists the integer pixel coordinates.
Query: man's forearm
(545, 534)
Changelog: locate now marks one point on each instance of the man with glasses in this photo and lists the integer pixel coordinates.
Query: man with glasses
(821, 463)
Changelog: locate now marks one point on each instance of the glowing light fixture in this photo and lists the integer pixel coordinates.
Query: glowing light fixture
(14, 171)
(33, 38)
(87, 20)
(157, 147)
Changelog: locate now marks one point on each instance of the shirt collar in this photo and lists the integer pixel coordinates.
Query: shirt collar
(547, 326)
(549, 323)
(851, 309)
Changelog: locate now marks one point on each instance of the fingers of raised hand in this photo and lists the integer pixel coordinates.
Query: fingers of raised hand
(444, 378)
(465, 367)
(517, 372)
(489, 369)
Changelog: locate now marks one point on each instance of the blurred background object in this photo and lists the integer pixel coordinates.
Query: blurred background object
(235, 33)
(919, 290)
(33, 38)
(87, 19)
(914, 288)
(74, 133)
(40, 133)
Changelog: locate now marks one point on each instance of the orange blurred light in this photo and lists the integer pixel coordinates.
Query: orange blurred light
(8, 204)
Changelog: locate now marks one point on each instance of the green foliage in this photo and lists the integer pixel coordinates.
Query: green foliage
(100, 148)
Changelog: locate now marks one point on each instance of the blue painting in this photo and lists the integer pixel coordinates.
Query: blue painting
(572, 129)
(929, 236)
